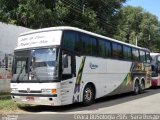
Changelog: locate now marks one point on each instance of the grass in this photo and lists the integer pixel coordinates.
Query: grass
(4, 93)
(9, 106)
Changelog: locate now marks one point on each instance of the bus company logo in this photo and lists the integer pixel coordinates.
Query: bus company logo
(28, 90)
(93, 66)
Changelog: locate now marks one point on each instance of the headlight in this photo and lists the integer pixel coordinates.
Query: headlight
(14, 90)
(49, 91)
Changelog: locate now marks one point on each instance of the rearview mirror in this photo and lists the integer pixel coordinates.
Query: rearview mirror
(65, 61)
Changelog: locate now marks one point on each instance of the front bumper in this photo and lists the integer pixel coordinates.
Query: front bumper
(37, 99)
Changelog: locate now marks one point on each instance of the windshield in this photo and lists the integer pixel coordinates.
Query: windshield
(35, 65)
(153, 59)
(154, 65)
(44, 58)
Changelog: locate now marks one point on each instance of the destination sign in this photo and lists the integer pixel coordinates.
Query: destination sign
(41, 39)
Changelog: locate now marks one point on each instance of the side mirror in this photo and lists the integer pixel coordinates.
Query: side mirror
(65, 61)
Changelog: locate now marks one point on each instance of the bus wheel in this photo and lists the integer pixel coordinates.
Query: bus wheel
(141, 87)
(136, 87)
(88, 95)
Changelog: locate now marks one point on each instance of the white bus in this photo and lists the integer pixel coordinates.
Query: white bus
(155, 63)
(63, 65)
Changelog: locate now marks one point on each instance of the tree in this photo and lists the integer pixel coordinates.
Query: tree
(27, 13)
(93, 15)
(135, 22)
(106, 14)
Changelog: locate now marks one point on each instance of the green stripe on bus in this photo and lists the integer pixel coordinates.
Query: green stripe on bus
(79, 75)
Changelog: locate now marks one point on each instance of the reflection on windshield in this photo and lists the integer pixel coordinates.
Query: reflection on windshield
(153, 59)
(38, 64)
(44, 58)
(21, 66)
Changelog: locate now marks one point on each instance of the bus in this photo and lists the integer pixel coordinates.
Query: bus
(155, 63)
(64, 65)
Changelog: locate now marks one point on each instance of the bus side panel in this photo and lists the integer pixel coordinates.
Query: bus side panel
(109, 76)
(120, 72)
(138, 71)
(105, 74)
(148, 71)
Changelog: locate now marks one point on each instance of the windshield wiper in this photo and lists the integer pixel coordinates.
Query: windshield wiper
(20, 72)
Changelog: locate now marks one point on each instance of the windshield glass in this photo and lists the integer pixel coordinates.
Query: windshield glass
(154, 66)
(44, 58)
(21, 60)
(37, 65)
(153, 59)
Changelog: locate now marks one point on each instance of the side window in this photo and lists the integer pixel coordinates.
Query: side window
(20, 67)
(142, 56)
(86, 44)
(68, 66)
(71, 41)
(94, 46)
(158, 64)
(117, 50)
(77, 47)
(104, 48)
(135, 54)
(89, 45)
(148, 57)
(127, 53)
(66, 63)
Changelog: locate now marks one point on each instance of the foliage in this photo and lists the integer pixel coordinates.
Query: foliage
(135, 22)
(106, 17)
(94, 15)
(8, 106)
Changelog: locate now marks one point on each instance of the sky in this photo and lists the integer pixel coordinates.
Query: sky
(152, 6)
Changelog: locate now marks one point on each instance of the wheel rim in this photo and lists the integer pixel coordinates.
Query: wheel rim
(142, 86)
(136, 88)
(88, 94)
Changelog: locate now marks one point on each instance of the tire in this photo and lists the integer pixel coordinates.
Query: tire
(141, 87)
(136, 87)
(88, 95)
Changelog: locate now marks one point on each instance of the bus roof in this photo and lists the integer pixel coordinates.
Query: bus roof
(80, 30)
(154, 54)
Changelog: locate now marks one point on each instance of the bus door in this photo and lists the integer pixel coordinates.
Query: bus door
(68, 77)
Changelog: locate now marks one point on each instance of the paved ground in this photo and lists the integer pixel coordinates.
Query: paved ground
(148, 102)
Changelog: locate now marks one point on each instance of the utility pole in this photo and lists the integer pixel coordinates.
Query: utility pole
(83, 8)
(149, 38)
(136, 40)
(83, 5)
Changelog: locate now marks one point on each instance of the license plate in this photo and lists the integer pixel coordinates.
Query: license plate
(30, 98)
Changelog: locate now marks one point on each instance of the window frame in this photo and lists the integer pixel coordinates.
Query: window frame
(141, 57)
(77, 39)
(147, 57)
(138, 57)
(119, 53)
(94, 43)
(108, 51)
(127, 57)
